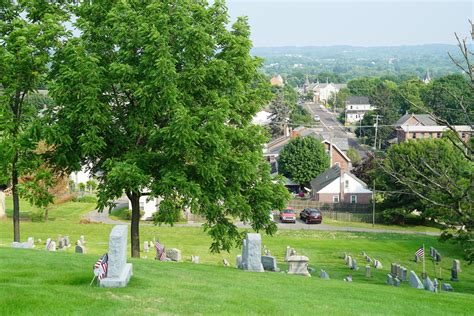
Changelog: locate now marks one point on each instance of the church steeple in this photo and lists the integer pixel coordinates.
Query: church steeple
(427, 77)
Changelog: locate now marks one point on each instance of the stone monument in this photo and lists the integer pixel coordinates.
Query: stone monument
(251, 253)
(415, 281)
(119, 271)
(298, 265)
(269, 263)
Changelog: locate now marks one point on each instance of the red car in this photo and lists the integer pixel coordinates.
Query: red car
(311, 215)
(288, 216)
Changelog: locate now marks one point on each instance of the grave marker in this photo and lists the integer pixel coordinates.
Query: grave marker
(251, 253)
(298, 265)
(368, 272)
(269, 263)
(415, 281)
(173, 254)
(119, 271)
(323, 275)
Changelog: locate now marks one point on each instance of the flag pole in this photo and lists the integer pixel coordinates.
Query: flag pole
(92, 280)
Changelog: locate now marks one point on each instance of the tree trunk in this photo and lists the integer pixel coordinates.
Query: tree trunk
(45, 214)
(135, 227)
(16, 200)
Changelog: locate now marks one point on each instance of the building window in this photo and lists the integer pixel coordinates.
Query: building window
(438, 135)
(346, 184)
(413, 135)
(335, 198)
(463, 135)
(337, 163)
(142, 206)
(353, 199)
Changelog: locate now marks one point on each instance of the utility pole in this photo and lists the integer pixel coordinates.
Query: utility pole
(373, 206)
(377, 117)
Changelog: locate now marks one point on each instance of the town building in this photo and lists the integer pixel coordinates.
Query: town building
(356, 108)
(419, 126)
(277, 81)
(338, 186)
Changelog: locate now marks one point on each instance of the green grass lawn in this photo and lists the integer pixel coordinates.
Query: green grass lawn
(57, 283)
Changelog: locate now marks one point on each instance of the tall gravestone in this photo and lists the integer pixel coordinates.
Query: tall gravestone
(252, 252)
(457, 265)
(119, 271)
(415, 281)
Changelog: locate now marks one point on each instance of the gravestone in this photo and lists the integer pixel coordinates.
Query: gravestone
(238, 262)
(363, 254)
(61, 243)
(454, 275)
(349, 261)
(82, 239)
(292, 252)
(251, 253)
(323, 275)
(369, 260)
(17, 244)
(389, 279)
(415, 281)
(298, 265)
(447, 287)
(393, 269)
(67, 241)
(146, 247)
(269, 263)
(403, 277)
(119, 271)
(173, 254)
(354, 265)
(368, 272)
(457, 265)
(432, 252)
(151, 244)
(396, 281)
(437, 256)
(48, 241)
(51, 246)
(417, 259)
(30, 242)
(378, 265)
(435, 285)
(225, 262)
(399, 271)
(80, 249)
(428, 284)
(195, 259)
(348, 278)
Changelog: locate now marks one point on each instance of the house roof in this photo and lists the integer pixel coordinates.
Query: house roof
(325, 178)
(357, 100)
(329, 176)
(437, 128)
(423, 119)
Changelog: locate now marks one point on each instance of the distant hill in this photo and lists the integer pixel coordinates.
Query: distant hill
(348, 62)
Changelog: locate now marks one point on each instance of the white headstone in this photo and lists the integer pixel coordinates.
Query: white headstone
(251, 253)
(146, 247)
(31, 242)
(298, 265)
(195, 259)
(82, 239)
(287, 253)
(52, 246)
(415, 281)
(457, 265)
(173, 254)
(119, 271)
(48, 241)
(238, 262)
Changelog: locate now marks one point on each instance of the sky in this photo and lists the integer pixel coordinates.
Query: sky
(358, 23)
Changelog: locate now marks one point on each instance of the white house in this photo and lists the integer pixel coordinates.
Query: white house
(261, 118)
(338, 186)
(356, 107)
(148, 205)
(322, 91)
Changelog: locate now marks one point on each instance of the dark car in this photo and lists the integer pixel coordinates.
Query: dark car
(288, 216)
(311, 215)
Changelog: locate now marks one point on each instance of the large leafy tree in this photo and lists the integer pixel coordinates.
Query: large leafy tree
(437, 175)
(303, 159)
(29, 32)
(157, 97)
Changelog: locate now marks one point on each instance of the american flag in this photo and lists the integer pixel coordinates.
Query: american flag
(100, 267)
(420, 252)
(160, 251)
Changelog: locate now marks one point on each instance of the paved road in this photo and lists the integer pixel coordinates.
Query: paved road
(331, 125)
(94, 216)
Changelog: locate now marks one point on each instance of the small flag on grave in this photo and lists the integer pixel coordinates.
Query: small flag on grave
(160, 251)
(100, 267)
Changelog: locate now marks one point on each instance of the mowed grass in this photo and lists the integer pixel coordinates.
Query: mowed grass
(38, 282)
(41, 283)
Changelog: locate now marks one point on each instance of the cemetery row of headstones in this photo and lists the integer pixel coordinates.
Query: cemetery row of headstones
(62, 243)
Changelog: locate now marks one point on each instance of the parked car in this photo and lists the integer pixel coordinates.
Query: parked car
(317, 118)
(311, 215)
(288, 216)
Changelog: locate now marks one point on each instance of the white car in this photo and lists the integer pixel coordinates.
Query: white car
(317, 118)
